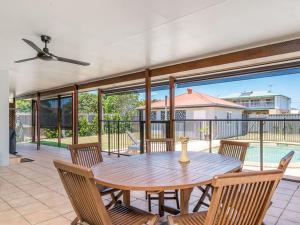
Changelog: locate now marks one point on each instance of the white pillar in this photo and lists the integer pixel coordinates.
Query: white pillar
(4, 117)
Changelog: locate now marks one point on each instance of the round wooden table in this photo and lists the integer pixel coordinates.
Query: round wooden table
(163, 171)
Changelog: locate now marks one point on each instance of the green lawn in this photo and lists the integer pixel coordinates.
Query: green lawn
(125, 141)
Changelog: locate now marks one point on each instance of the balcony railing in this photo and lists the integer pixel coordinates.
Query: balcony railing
(259, 105)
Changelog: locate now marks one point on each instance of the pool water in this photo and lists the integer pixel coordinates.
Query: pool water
(272, 153)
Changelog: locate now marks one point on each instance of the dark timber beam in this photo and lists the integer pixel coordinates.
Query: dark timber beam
(243, 55)
(59, 130)
(148, 106)
(233, 57)
(75, 115)
(100, 114)
(172, 106)
(33, 120)
(38, 121)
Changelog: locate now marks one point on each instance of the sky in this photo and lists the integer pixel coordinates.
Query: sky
(285, 83)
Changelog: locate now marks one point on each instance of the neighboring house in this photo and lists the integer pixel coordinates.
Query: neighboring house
(194, 105)
(192, 108)
(295, 111)
(261, 102)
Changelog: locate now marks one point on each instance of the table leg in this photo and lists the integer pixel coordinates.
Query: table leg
(185, 195)
(161, 203)
(126, 197)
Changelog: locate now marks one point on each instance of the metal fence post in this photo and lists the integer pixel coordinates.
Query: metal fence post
(108, 136)
(284, 129)
(210, 136)
(118, 137)
(142, 137)
(167, 129)
(237, 129)
(261, 141)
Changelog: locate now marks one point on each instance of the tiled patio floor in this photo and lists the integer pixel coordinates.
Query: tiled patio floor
(31, 193)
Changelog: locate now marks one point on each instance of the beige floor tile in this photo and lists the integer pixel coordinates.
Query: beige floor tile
(15, 195)
(70, 216)
(8, 214)
(56, 221)
(22, 201)
(280, 203)
(14, 221)
(274, 211)
(291, 216)
(63, 208)
(41, 216)
(4, 206)
(292, 206)
(286, 222)
(270, 220)
(31, 208)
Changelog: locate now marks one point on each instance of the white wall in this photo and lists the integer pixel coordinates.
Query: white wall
(4, 117)
(207, 113)
(216, 113)
(282, 102)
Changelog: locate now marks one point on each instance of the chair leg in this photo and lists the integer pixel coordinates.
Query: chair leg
(149, 202)
(114, 199)
(161, 203)
(202, 198)
(119, 195)
(177, 199)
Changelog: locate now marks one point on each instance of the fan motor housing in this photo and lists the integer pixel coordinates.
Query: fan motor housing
(45, 38)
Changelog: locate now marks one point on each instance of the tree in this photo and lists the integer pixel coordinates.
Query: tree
(121, 106)
(23, 105)
(88, 103)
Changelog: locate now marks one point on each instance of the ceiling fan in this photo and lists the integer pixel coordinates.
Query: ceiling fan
(46, 55)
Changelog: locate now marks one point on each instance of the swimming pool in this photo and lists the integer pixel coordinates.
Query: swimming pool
(272, 152)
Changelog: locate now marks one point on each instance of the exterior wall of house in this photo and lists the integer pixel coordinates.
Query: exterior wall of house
(264, 104)
(282, 103)
(204, 113)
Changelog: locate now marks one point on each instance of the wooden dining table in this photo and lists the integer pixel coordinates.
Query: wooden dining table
(162, 172)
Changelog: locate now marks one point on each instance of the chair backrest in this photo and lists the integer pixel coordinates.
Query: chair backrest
(235, 149)
(160, 145)
(80, 186)
(242, 198)
(285, 161)
(86, 155)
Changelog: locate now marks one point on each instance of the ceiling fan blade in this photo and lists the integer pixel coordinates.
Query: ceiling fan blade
(32, 45)
(71, 61)
(25, 60)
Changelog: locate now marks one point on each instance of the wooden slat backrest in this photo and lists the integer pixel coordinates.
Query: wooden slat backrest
(242, 198)
(235, 149)
(285, 161)
(80, 186)
(86, 155)
(160, 145)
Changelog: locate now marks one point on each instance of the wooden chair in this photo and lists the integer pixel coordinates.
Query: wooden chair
(88, 205)
(235, 149)
(238, 198)
(161, 145)
(88, 155)
(285, 161)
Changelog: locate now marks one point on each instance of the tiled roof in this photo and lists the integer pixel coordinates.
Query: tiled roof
(195, 99)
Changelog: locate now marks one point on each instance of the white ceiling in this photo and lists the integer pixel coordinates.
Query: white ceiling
(118, 36)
